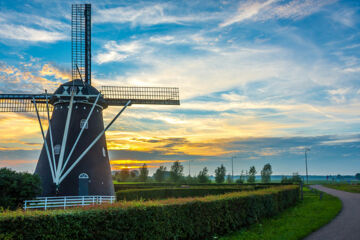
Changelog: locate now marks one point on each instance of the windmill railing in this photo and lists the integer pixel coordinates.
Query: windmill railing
(64, 202)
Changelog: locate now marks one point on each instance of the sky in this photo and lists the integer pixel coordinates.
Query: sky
(258, 80)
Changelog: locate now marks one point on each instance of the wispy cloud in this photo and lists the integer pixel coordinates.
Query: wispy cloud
(116, 52)
(151, 14)
(274, 9)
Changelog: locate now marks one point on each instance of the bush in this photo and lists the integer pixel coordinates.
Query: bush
(17, 187)
(198, 218)
(163, 193)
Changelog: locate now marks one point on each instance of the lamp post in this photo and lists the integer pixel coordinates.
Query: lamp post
(307, 177)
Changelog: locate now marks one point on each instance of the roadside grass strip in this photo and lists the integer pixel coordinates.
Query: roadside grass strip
(355, 188)
(294, 223)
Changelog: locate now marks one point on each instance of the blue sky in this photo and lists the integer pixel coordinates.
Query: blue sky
(260, 80)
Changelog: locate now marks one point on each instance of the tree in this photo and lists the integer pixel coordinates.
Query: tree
(242, 178)
(203, 176)
(357, 176)
(294, 179)
(252, 173)
(144, 172)
(17, 187)
(124, 174)
(229, 179)
(266, 173)
(220, 173)
(159, 175)
(134, 174)
(176, 171)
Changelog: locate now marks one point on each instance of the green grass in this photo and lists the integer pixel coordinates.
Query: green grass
(294, 223)
(345, 187)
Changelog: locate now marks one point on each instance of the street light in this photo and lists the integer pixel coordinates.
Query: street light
(307, 177)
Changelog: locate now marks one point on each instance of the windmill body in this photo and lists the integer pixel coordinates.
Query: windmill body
(92, 175)
(74, 159)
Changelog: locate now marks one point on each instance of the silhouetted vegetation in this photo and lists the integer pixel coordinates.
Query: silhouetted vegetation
(266, 173)
(144, 172)
(252, 173)
(159, 175)
(176, 172)
(15, 187)
(220, 173)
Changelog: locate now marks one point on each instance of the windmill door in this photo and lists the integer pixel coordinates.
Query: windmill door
(83, 184)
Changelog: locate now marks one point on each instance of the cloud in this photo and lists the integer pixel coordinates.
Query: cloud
(147, 15)
(32, 28)
(116, 52)
(274, 9)
(50, 70)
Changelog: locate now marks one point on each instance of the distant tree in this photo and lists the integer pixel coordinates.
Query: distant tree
(357, 176)
(159, 175)
(176, 171)
(134, 174)
(190, 180)
(144, 172)
(124, 174)
(203, 176)
(220, 173)
(252, 173)
(294, 179)
(266, 173)
(241, 178)
(17, 187)
(229, 179)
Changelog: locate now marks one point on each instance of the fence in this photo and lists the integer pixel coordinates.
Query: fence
(66, 201)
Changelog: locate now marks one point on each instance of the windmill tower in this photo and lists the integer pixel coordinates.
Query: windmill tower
(74, 159)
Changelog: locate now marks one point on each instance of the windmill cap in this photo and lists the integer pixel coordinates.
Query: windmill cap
(84, 91)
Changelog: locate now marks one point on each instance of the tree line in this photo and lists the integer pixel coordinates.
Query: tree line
(176, 175)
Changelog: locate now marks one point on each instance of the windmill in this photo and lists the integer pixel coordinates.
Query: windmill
(74, 159)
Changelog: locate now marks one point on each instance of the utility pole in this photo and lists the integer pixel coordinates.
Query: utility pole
(189, 167)
(307, 176)
(232, 167)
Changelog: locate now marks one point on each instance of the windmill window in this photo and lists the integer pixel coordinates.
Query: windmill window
(57, 149)
(104, 152)
(82, 123)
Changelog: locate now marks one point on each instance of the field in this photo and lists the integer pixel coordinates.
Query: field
(345, 187)
(294, 223)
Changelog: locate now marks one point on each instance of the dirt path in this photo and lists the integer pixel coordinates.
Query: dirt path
(347, 224)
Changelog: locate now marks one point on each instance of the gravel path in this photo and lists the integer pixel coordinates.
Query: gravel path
(346, 226)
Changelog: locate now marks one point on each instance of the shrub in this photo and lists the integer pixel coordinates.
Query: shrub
(163, 193)
(187, 218)
(15, 187)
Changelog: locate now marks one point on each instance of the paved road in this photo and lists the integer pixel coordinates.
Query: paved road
(346, 226)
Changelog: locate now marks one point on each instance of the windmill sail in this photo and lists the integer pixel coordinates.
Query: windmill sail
(23, 102)
(119, 96)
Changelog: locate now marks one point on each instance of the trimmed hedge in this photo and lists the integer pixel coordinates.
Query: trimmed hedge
(163, 193)
(187, 218)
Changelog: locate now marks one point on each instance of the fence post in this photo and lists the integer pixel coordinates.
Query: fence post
(25, 205)
(111, 199)
(301, 191)
(93, 200)
(45, 203)
(82, 202)
(65, 202)
(100, 199)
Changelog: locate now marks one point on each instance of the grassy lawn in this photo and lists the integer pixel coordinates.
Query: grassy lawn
(294, 223)
(345, 187)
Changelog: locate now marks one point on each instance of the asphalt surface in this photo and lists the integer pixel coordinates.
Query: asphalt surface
(346, 226)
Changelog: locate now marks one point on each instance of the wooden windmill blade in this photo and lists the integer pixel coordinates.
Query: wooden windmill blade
(120, 95)
(24, 102)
